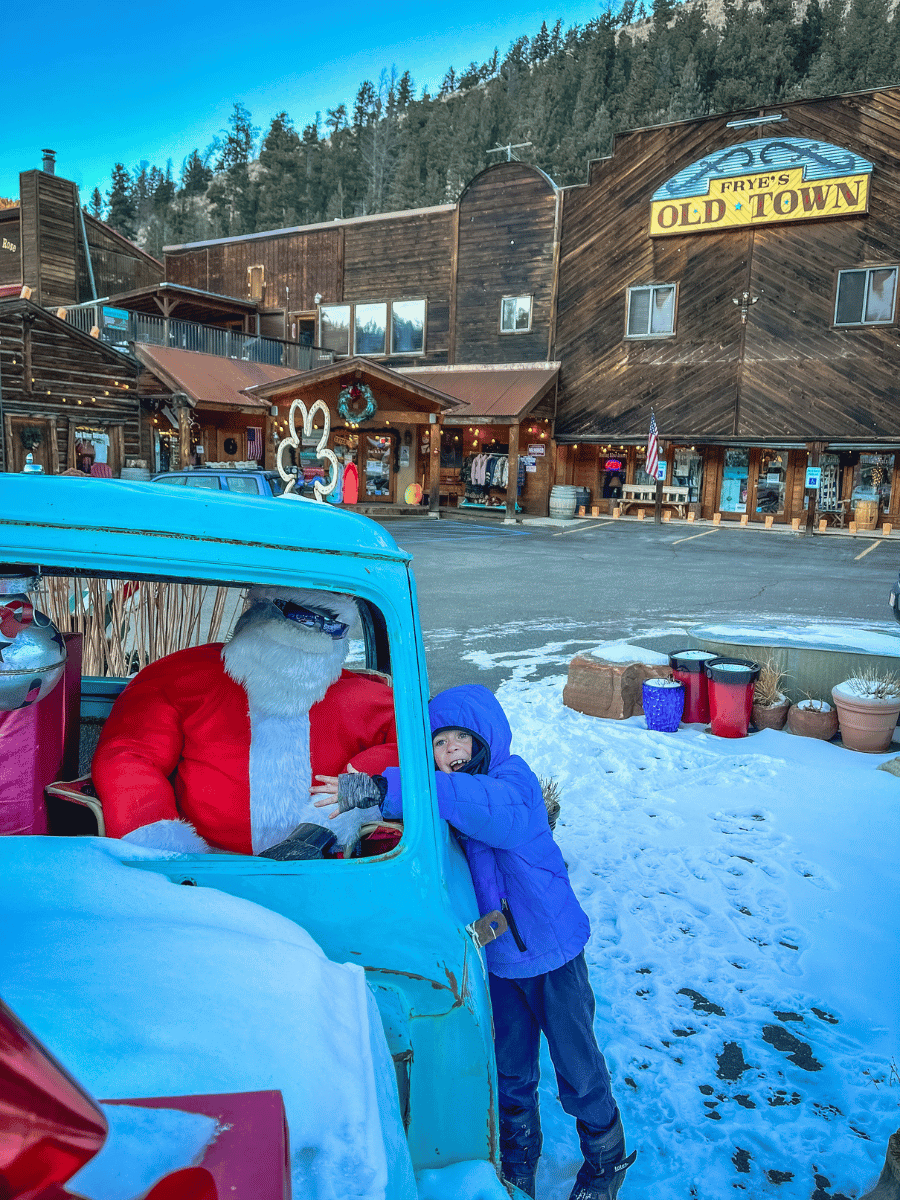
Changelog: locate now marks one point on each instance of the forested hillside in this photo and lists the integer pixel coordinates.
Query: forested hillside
(564, 93)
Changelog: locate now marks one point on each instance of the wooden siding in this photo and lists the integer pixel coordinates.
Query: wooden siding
(51, 373)
(49, 249)
(506, 244)
(787, 373)
(10, 248)
(305, 262)
(404, 257)
(54, 263)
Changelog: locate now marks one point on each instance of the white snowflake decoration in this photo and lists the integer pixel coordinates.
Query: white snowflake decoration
(307, 429)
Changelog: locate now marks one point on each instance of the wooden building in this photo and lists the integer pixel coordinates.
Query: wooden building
(64, 255)
(65, 397)
(470, 285)
(738, 275)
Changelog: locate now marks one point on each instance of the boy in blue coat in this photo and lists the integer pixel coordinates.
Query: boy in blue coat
(537, 973)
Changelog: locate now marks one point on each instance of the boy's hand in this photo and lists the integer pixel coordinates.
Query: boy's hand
(348, 791)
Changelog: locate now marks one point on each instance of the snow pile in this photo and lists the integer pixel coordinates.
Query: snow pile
(743, 952)
(144, 988)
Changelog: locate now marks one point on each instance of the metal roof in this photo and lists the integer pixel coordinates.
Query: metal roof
(208, 379)
(510, 390)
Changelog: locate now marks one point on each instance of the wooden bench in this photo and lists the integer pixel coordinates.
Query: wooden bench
(673, 496)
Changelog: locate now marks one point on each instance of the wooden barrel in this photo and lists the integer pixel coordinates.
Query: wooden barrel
(866, 514)
(562, 501)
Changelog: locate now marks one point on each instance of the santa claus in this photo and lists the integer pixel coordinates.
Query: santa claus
(215, 747)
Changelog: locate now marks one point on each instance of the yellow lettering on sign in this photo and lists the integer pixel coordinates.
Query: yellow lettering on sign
(762, 199)
(8, 245)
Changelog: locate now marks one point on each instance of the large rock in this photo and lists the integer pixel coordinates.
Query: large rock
(608, 689)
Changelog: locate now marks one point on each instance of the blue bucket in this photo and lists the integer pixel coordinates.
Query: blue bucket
(663, 701)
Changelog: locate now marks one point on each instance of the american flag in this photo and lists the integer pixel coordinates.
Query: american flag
(254, 443)
(652, 463)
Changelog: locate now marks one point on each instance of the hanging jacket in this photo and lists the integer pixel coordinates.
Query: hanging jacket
(516, 865)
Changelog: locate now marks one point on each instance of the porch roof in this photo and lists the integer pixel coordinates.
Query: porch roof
(208, 380)
(506, 392)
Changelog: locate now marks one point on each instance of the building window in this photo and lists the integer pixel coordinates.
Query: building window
(651, 311)
(408, 327)
(515, 314)
(370, 329)
(866, 297)
(334, 329)
(379, 328)
(256, 282)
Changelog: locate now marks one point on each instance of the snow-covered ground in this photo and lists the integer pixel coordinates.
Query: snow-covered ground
(743, 899)
(742, 896)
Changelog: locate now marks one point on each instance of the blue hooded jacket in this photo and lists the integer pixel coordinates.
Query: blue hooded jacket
(516, 865)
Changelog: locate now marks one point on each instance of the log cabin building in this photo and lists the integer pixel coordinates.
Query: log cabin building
(66, 398)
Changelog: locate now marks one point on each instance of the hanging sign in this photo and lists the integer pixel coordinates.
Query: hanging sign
(813, 477)
(765, 182)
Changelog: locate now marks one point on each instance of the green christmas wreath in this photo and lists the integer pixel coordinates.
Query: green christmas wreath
(355, 394)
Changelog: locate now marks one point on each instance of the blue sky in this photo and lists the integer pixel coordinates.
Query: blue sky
(124, 81)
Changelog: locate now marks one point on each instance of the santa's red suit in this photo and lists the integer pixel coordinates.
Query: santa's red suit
(180, 742)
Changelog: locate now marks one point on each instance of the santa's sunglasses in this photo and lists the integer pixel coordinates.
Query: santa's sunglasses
(312, 620)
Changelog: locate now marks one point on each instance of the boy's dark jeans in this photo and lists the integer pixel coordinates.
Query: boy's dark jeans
(560, 1004)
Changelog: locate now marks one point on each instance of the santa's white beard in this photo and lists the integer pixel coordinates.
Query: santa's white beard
(285, 669)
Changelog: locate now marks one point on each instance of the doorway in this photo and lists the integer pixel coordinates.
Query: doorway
(31, 435)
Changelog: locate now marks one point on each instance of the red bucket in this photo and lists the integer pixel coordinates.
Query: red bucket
(687, 668)
(731, 683)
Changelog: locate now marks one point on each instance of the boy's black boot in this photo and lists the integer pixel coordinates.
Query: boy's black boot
(520, 1146)
(604, 1164)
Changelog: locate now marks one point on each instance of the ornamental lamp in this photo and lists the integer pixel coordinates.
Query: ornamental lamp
(32, 650)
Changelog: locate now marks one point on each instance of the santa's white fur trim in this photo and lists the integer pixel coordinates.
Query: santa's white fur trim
(179, 835)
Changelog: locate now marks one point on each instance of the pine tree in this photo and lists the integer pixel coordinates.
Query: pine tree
(95, 204)
(121, 208)
(196, 176)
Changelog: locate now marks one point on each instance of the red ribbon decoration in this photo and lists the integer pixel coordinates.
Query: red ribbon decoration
(15, 616)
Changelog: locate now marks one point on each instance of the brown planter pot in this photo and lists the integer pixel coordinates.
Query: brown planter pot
(771, 717)
(867, 725)
(807, 722)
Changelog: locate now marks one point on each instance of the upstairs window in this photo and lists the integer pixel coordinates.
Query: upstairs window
(334, 329)
(866, 297)
(379, 328)
(256, 282)
(515, 314)
(651, 311)
(371, 329)
(408, 327)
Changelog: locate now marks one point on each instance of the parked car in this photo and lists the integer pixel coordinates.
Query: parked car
(404, 909)
(240, 480)
(894, 599)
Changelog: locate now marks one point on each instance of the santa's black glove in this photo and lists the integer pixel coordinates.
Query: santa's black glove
(359, 791)
(307, 841)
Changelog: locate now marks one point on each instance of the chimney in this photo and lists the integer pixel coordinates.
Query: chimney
(49, 164)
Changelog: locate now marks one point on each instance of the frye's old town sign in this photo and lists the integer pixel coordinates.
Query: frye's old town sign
(764, 182)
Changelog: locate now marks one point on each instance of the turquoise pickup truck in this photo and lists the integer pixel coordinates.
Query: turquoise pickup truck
(404, 909)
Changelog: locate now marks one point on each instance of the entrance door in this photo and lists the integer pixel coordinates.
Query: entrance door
(34, 436)
(378, 467)
(772, 495)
